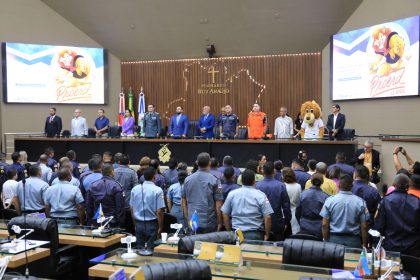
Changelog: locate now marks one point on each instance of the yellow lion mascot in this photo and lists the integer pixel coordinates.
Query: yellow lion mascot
(312, 126)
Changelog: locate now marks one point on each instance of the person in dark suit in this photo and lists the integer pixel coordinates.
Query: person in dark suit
(336, 122)
(206, 123)
(368, 157)
(53, 124)
(178, 126)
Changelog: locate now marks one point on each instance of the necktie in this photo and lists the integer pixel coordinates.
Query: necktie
(51, 119)
(205, 117)
(177, 119)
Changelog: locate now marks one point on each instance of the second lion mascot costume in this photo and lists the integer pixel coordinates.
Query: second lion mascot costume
(312, 126)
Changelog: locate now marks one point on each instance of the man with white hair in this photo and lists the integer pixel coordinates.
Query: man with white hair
(79, 125)
(283, 126)
(367, 156)
(328, 186)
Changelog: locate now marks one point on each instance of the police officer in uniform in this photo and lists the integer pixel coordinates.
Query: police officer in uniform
(229, 124)
(249, 209)
(3, 169)
(202, 193)
(398, 218)
(151, 122)
(108, 192)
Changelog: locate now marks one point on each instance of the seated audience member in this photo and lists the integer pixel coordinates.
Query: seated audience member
(31, 198)
(171, 174)
(398, 218)
(252, 165)
(228, 161)
(159, 180)
(249, 210)
(64, 201)
(329, 187)
(301, 176)
(9, 188)
(16, 158)
(127, 178)
(108, 193)
(311, 166)
(293, 191)
(202, 193)
(278, 166)
(74, 181)
(334, 174)
(143, 164)
(229, 182)
(368, 157)
(414, 188)
(76, 166)
(362, 189)
(310, 204)
(214, 164)
(413, 166)
(88, 177)
(147, 205)
(45, 170)
(174, 198)
(345, 217)
(340, 161)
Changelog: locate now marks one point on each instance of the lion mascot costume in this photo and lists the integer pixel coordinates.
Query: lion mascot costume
(312, 126)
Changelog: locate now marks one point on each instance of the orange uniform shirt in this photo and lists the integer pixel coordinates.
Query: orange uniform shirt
(257, 123)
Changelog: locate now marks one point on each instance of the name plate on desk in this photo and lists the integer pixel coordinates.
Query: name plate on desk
(205, 250)
(218, 253)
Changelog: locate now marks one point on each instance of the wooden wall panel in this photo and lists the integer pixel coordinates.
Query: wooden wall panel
(273, 81)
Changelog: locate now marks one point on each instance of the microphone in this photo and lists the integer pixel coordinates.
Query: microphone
(102, 230)
(128, 240)
(175, 239)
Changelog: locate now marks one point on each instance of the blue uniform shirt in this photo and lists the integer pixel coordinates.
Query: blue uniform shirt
(227, 187)
(175, 193)
(127, 177)
(35, 189)
(247, 206)
(369, 195)
(276, 193)
(151, 124)
(63, 198)
(74, 181)
(19, 169)
(399, 221)
(229, 124)
(345, 211)
(207, 122)
(101, 122)
(301, 177)
(201, 190)
(89, 179)
(145, 200)
(345, 168)
(171, 176)
(307, 211)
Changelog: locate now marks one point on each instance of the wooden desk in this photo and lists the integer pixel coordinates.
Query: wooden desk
(87, 241)
(33, 255)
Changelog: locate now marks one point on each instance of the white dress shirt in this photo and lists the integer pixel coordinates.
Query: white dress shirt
(283, 127)
(79, 126)
(335, 119)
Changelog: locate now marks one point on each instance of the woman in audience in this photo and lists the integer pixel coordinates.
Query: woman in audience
(310, 204)
(293, 190)
(174, 198)
(144, 163)
(334, 174)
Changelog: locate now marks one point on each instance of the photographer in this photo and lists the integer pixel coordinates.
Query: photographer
(413, 166)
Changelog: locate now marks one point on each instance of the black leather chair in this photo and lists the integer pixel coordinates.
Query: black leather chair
(168, 219)
(305, 236)
(8, 214)
(46, 229)
(66, 133)
(91, 133)
(348, 134)
(192, 129)
(411, 264)
(114, 131)
(242, 132)
(313, 253)
(181, 270)
(186, 244)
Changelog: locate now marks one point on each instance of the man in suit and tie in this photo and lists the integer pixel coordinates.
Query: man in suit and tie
(53, 124)
(206, 123)
(178, 126)
(336, 122)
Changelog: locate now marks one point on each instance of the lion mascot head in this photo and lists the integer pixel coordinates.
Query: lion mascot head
(310, 112)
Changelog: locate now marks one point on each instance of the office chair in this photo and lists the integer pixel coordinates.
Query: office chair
(186, 244)
(181, 270)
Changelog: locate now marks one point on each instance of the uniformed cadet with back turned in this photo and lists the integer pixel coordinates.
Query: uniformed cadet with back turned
(202, 193)
(109, 193)
(151, 122)
(229, 124)
(249, 209)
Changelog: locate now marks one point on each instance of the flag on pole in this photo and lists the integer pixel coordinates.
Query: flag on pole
(122, 108)
(99, 214)
(131, 102)
(141, 110)
(362, 267)
(194, 222)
